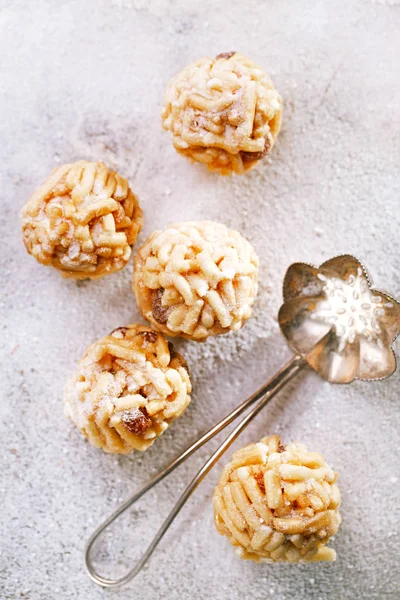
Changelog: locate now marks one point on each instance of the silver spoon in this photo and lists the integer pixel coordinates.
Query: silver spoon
(337, 323)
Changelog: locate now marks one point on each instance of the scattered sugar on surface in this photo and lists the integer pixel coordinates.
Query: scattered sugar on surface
(333, 169)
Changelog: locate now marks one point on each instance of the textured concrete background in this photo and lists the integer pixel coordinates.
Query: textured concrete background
(85, 80)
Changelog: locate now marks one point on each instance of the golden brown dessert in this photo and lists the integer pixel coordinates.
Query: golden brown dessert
(82, 220)
(128, 388)
(278, 503)
(196, 279)
(224, 112)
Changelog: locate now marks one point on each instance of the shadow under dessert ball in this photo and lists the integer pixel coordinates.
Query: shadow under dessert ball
(278, 503)
(127, 389)
(196, 279)
(223, 112)
(82, 221)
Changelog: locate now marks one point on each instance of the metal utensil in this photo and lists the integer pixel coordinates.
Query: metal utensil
(337, 323)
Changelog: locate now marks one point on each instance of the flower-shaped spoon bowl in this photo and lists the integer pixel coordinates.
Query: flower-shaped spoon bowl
(335, 318)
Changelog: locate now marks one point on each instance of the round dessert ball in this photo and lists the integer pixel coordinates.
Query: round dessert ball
(82, 221)
(278, 503)
(224, 112)
(127, 389)
(196, 279)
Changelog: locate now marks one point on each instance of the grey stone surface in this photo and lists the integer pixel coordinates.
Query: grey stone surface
(85, 79)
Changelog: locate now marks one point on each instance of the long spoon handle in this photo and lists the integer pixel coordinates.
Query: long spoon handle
(266, 393)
